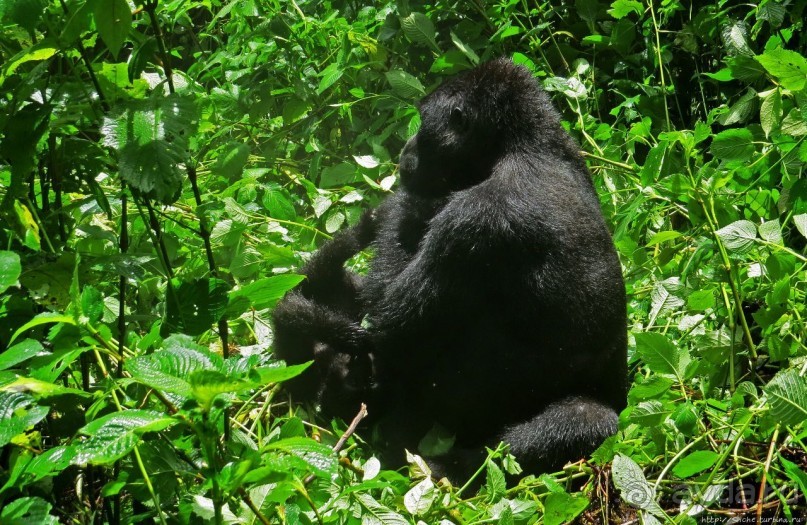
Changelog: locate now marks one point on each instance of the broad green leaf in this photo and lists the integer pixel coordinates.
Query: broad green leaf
(633, 486)
(560, 507)
(649, 413)
(464, 48)
(653, 386)
(771, 231)
(800, 221)
(787, 397)
(319, 457)
(27, 511)
(419, 499)
(622, 8)
(169, 369)
(735, 37)
(113, 436)
(207, 384)
(277, 374)
(405, 85)
(338, 175)
(795, 473)
(665, 297)
(663, 236)
(22, 351)
(770, 113)
(10, 269)
(419, 30)
(193, 307)
(113, 19)
(42, 389)
(329, 75)
(18, 413)
(587, 10)
(495, 482)
(232, 159)
(695, 462)
(43, 318)
(787, 67)
(41, 51)
(660, 355)
(739, 236)
(374, 513)
(151, 137)
(24, 13)
(266, 292)
(733, 144)
(794, 124)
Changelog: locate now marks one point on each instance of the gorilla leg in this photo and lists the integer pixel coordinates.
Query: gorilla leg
(567, 429)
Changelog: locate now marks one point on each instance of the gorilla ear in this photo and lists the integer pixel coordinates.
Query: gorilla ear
(457, 118)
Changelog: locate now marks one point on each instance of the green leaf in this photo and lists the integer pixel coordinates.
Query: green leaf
(649, 413)
(622, 8)
(20, 352)
(265, 292)
(739, 236)
(633, 486)
(375, 513)
(771, 231)
(733, 144)
(18, 413)
(43, 318)
(277, 374)
(787, 67)
(794, 124)
(419, 30)
(795, 473)
(169, 369)
(464, 48)
(419, 499)
(42, 51)
(231, 160)
(787, 397)
(338, 175)
(27, 511)
(800, 221)
(207, 384)
(660, 355)
(663, 236)
(405, 85)
(24, 13)
(770, 113)
(113, 436)
(695, 462)
(113, 19)
(321, 458)
(193, 307)
(495, 482)
(151, 137)
(10, 269)
(560, 507)
(329, 75)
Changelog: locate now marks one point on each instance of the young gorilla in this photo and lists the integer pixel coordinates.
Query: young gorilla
(495, 299)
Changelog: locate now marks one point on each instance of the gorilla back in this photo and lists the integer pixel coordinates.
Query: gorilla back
(505, 318)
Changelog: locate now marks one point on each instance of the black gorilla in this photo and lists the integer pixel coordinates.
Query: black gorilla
(495, 301)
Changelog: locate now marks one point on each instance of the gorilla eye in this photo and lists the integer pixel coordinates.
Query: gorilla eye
(457, 118)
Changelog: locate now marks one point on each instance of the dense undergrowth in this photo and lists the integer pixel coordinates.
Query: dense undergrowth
(165, 166)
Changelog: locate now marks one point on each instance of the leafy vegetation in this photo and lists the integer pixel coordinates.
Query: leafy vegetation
(164, 167)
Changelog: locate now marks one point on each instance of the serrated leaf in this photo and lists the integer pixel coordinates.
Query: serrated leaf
(113, 19)
(495, 483)
(694, 463)
(660, 355)
(329, 75)
(232, 159)
(733, 144)
(10, 269)
(113, 436)
(266, 292)
(771, 231)
(649, 413)
(788, 67)
(192, 307)
(405, 85)
(770, 113)
(560, 507)
(622, 8)
(374, 513)
(633, 486)
(419, 499)
(735, 38)
(319, 457)
(787, 397)
(739, 236)
(27, 511)
(664, 297)
(338, 175)
(800, 221)
(168, 369)
(18, 412)
(420, 30)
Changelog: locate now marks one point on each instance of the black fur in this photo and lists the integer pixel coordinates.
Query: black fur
(495, 300)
